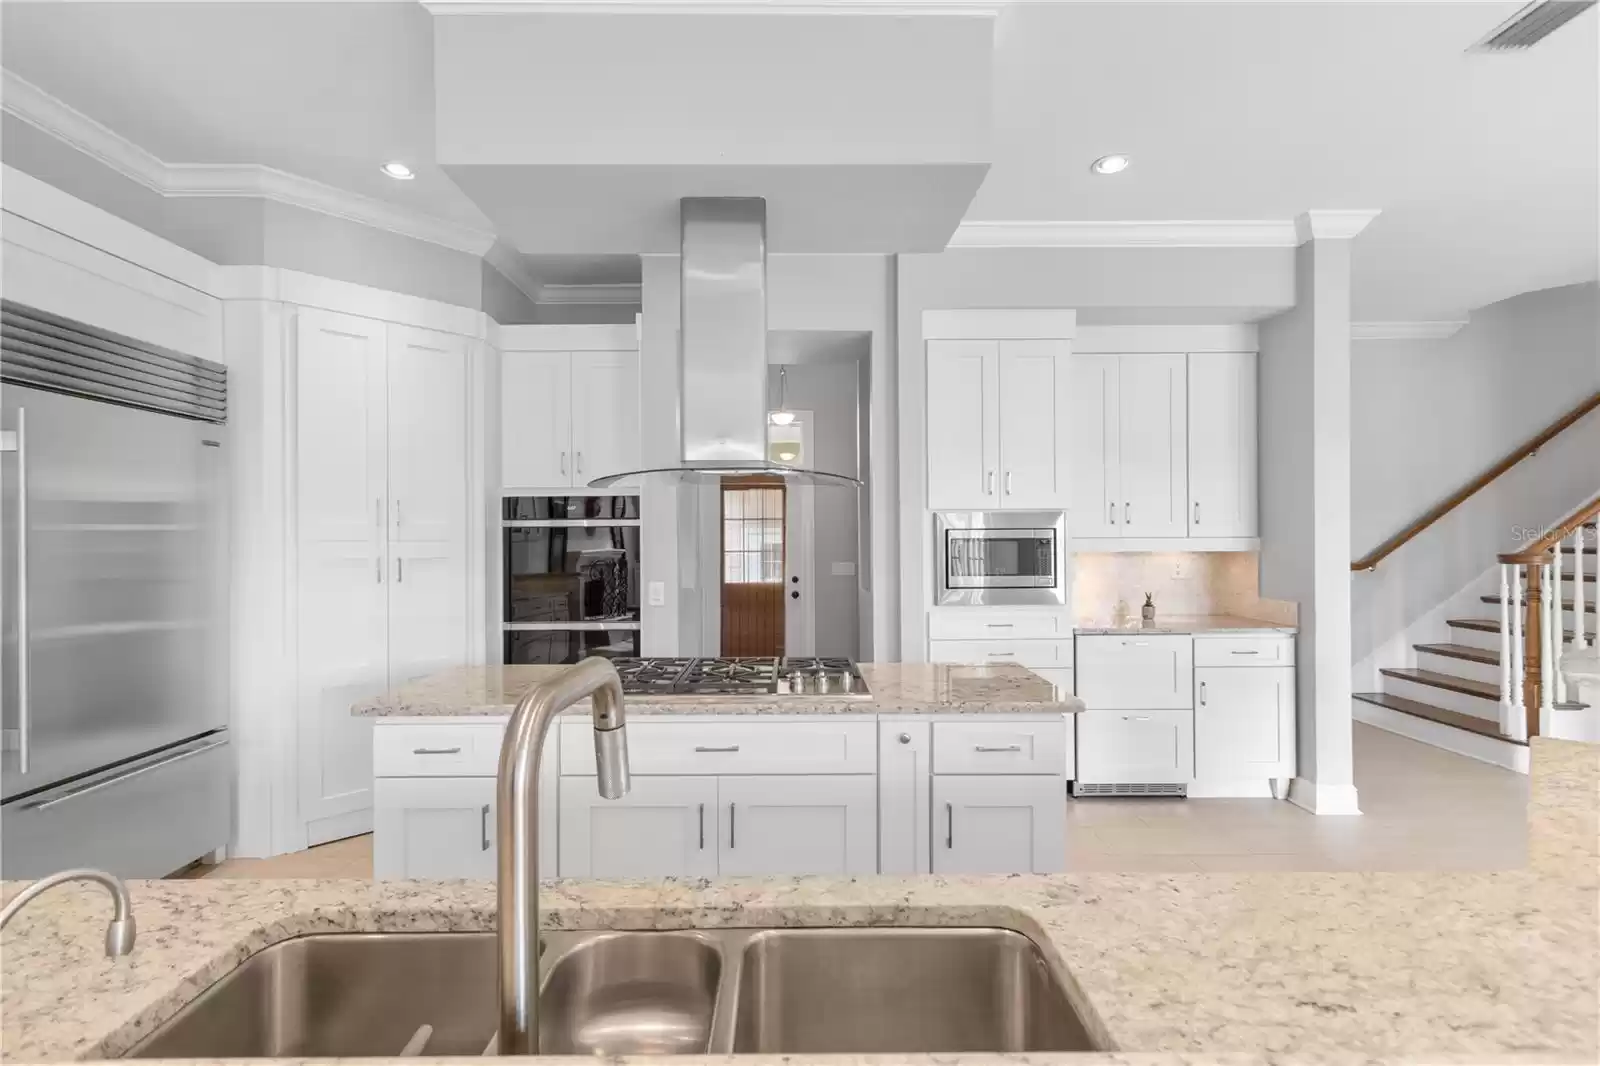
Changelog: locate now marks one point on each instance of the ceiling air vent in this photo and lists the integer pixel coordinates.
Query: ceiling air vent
(1532, 24)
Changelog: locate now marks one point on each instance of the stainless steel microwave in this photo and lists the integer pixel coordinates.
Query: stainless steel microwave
(1000, 557)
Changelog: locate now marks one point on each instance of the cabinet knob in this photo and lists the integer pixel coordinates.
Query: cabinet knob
(905, 738)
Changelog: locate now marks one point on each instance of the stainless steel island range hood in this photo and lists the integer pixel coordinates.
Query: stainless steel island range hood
(722, 354)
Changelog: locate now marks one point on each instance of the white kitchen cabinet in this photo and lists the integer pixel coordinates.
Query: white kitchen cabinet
(1152, 438)
(1135, 671)
(1096, 461)
(567, 417)
(434, 828)
(663, 827)
(996, 433)
(823, 824)
(379, 429)
(1222, 445)
(1244, 722)
(963, 424)
(905, 763)
(536, 419)
(998, 824)
(1135, 747)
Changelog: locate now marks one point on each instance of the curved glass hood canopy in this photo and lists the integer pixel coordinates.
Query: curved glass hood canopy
(722, 352)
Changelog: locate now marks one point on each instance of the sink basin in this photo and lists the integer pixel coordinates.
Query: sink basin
(772, 991)
(814, 991)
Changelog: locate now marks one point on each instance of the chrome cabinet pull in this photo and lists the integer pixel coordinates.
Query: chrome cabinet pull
(400, 571)
(1008, 482)
(905, 738)
(1002, 747)
(17, 441)
(377, 569)
(1002, 655)
(377, 512)
(1250, 652)
(702, 827)
(1112, 513)
(483, 826)
(1136, 718)
(949, 825)
(999, 625)
(730, 827)
(84, 790)
(1202, 693)
(704, 748)
(397, 515)
(578, 465)
(436, 751)
(1197, 512)
(1127, 513)
(563, 463)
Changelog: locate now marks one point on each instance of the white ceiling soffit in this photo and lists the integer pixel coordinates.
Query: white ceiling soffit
(249, 180)
(1266, 233)
(1404, 331)
(624, 293)
(990, 9)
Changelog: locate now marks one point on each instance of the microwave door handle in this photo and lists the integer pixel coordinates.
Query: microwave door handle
(17, 441)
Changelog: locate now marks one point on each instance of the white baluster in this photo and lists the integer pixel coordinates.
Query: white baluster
(1550, 607)
(1558, 634)
(1518, 727)
(1579, 640)
(1507, 677)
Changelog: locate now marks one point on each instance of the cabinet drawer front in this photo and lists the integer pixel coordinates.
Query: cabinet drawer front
(427, 750)
(1000, 747)
(1135, 672)
(733, 747)
(1244, 651)
(1135, 747)
(1048, 654)
(979, 624)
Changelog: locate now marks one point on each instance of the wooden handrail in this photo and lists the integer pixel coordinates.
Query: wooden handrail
(1371, 560)
(1536, 552)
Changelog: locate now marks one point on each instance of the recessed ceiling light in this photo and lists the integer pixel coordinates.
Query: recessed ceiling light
(1110, 164)
(398, 170)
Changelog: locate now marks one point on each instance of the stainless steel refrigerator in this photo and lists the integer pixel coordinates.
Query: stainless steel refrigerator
(113, 577)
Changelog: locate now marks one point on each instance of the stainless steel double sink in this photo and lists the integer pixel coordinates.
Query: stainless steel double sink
(787, 991)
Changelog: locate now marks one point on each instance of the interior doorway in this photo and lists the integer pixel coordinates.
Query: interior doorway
(753, 564)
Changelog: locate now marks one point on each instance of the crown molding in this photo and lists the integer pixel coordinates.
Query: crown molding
(965, 8)
(508, 261)
(1404, 331)
(57, 119)
(613, 293)
(1263, 233)
(1335, 225)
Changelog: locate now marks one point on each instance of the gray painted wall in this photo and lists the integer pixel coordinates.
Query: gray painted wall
(1432, 415)
(504, 302)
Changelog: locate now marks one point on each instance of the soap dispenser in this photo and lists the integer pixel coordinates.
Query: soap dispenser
(1147, 613)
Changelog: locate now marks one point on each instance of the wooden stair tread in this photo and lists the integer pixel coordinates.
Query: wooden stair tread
(1462, 651)
(1465, 686)
(1418, 709)
(1574, 551)
(1566, 605)
(1491, 625)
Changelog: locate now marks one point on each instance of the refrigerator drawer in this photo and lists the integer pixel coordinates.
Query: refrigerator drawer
(145, 818)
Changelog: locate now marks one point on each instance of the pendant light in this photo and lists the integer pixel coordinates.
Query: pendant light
(782, 416)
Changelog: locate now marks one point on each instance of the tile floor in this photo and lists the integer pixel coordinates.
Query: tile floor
(1423, 809)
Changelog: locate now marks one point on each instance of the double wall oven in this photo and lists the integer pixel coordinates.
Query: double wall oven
(571, 572)
(1000, 557)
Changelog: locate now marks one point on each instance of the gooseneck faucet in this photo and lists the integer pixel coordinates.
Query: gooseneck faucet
(517, 828)
(120, 933)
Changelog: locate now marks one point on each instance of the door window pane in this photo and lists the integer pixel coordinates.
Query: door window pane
(752, 534)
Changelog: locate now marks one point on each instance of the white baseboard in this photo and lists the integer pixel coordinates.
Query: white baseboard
(1502, 753)
(338, 826)
(1261, 789)
(1330, 800)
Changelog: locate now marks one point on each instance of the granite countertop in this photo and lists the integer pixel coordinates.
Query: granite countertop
(893, 688)
(1259, 969)
(1183, 623)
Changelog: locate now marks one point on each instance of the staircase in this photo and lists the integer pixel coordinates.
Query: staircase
(1497, 679)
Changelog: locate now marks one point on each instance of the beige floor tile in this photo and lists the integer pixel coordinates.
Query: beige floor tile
(351, 857)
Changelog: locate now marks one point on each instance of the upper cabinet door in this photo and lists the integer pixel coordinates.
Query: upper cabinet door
(605, 414)
(427, 436)
(1222, 444)
(1153, 433)
(339, 428)
(1032, 425)
(536, 420)
(1092, 411)
(963, 425)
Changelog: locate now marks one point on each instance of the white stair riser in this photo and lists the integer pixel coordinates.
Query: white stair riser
(1449, 664)
(1474, 638)
(1487, 749)
(1449, 699)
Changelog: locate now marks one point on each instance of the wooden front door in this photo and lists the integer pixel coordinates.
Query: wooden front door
(753, 566)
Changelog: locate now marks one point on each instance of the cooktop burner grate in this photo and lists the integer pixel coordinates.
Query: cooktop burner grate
(732, 676)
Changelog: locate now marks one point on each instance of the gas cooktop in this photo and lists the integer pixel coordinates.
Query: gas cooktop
(777, 676)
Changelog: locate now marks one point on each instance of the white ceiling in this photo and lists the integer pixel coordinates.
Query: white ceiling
(1485, 166)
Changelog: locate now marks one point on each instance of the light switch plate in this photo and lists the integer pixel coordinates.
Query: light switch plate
(844, 569)
(658, 593)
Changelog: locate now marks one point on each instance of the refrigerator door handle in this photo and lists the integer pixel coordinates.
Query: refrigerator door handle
(107, 782)
(17, 441)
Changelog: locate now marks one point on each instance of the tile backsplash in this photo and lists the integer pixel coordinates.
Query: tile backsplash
(1182, 583)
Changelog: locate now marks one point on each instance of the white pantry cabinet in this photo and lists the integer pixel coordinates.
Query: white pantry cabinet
(569, 405)
(993, 824)
(1222, 445)
(996, 431)
(379, 428)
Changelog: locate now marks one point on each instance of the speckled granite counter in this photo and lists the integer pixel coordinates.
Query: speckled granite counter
(1183, 623)
(893, 688)
(1242, 969)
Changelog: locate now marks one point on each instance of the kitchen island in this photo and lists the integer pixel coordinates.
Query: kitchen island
(1265, 969)
(917, 768)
